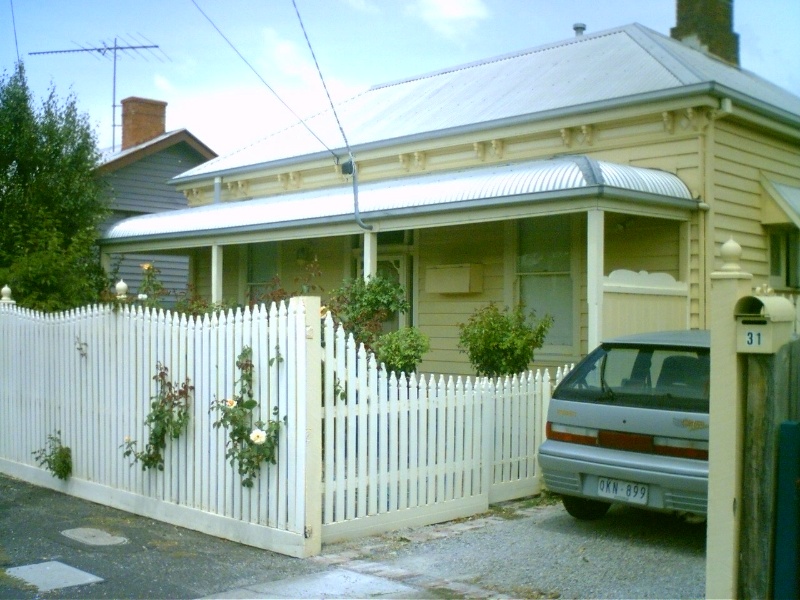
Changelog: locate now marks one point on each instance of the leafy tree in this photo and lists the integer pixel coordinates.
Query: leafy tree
(50, 201)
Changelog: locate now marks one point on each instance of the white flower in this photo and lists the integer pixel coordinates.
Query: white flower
(142, 296)
(258, 436)
(230, 403)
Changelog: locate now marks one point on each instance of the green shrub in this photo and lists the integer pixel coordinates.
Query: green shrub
(55, 457)
(502, 343)
(275, 290)
(151, 290)
(402, 350)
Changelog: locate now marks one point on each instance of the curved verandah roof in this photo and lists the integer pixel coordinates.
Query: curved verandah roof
(430, 196)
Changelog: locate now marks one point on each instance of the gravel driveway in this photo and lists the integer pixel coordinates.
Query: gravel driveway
(524, 551)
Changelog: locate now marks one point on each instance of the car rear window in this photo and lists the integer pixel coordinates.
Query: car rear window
(666, 378)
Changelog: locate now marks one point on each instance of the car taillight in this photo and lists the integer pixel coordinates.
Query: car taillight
(681, 448)
(632, 442)
(573, 435)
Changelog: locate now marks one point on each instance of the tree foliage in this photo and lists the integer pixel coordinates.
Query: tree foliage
(50, 201)
(502, 343)
(402, 350)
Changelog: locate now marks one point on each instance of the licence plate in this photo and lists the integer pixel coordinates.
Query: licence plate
(625, 491)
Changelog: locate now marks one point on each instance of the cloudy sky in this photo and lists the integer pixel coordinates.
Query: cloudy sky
(212, 92)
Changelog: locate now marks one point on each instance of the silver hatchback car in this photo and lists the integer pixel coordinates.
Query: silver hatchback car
(630, 424)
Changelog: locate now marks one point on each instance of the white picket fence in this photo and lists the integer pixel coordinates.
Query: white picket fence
(88, 374)
(362, 452)
(401, 451)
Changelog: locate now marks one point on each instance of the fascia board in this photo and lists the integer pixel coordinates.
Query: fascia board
(163, 142)
(763, 109)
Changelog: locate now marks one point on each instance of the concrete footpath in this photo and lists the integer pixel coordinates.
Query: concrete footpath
(56, 546)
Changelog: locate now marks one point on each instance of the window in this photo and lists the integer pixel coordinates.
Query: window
(545, 273)
(784, 259)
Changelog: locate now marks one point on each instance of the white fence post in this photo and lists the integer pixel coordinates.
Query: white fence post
(309, 371)
(726, 428)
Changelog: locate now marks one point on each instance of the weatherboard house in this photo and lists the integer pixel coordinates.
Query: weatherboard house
(595, 180)
(136, 178)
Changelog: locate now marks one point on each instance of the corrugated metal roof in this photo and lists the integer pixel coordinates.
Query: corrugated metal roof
(440, 192)
(605, 67)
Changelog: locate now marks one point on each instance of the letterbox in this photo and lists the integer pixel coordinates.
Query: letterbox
(763, 324)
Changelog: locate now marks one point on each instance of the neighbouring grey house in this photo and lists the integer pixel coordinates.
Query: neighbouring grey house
(137, 178)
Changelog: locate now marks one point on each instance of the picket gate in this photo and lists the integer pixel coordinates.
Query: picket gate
(401, 450)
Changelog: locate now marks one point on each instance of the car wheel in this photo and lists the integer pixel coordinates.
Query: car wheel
(584, 508)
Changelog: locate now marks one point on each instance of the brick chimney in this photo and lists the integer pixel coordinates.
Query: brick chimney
(142, 120)
(708, 25)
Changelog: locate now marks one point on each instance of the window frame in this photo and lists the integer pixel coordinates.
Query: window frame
(784, 247)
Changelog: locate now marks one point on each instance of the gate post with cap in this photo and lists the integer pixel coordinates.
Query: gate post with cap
(726, 427)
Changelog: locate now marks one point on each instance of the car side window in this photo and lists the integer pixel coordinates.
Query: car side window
(664, 378)
(620, 367)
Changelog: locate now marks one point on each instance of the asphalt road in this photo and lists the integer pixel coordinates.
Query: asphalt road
(521, 549)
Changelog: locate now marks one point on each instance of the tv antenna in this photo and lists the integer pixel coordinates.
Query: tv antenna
(109, 50)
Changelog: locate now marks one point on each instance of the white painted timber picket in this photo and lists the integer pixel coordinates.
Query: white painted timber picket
(88, 373)
(362, 451)
(410, 450)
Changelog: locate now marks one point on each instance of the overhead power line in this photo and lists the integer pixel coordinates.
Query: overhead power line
(352, 169)
(14, 25)
(264, 81)
(348, 168)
